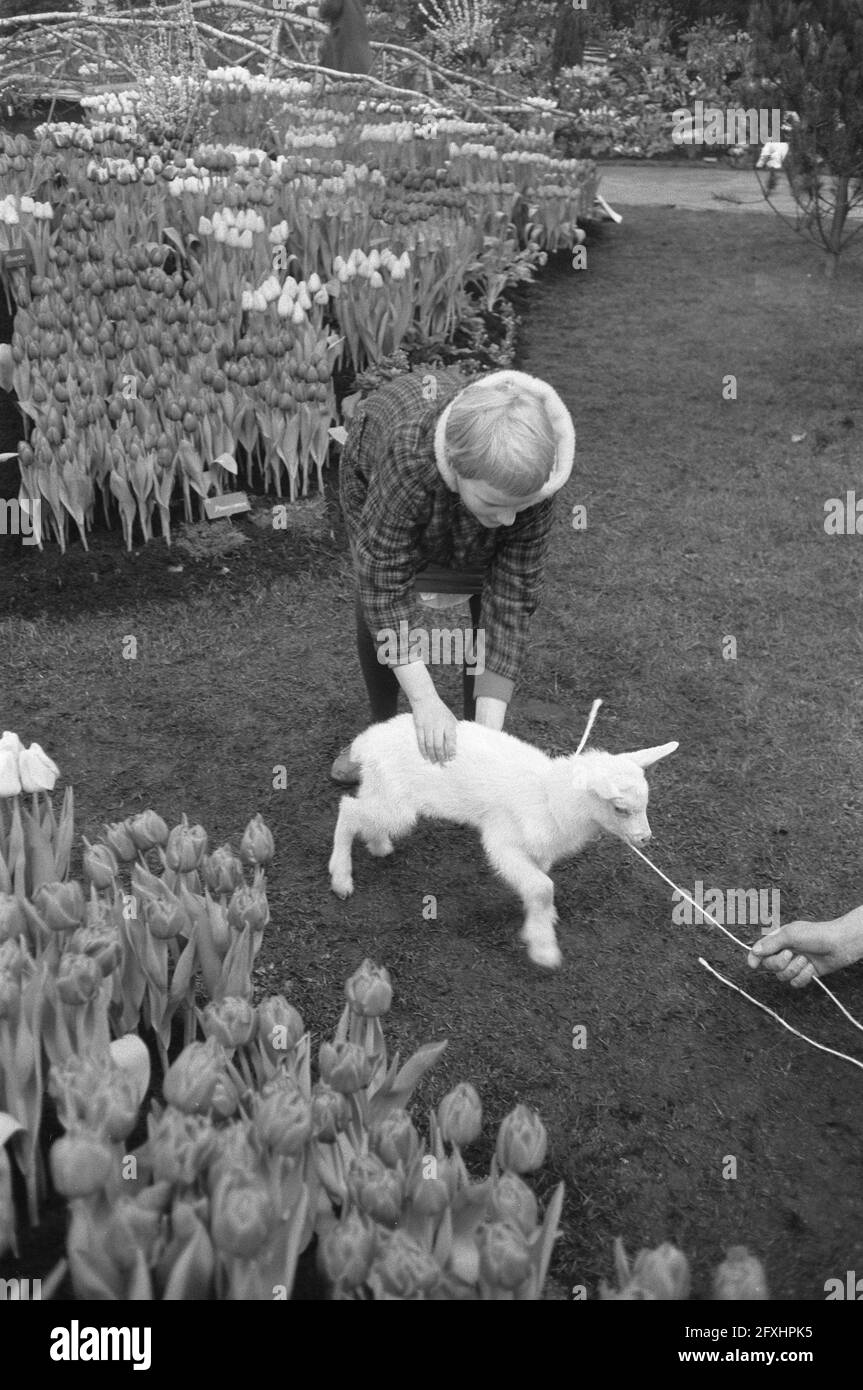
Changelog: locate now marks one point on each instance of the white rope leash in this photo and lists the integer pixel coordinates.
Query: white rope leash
(594, 711)
(821, 1046)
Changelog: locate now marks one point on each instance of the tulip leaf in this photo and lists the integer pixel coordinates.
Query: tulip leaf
(9, 1127)
(415, 1067)
(549, 1235)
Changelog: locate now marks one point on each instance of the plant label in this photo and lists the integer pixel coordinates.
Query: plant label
(226, 505)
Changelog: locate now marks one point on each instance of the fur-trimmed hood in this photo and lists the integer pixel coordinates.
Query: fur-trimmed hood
(559, 416)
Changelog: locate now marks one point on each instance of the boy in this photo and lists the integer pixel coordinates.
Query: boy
(449, 487)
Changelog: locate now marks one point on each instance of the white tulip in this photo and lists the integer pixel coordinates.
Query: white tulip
(205, 227)
(313, 283)
(245, 240)
(10, 781)
(37, 771)
(298, 315)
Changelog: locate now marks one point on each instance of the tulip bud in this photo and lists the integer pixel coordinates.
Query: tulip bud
(180, 1146)
(395, 1140)
(740, 1278)
(280, 1026)
(330, 1113)
(81, 1165)
(429, 1196)
(241, 1217)
(248, 908)
(522, 1141)
(222, 871)
(257, 845)
(512, 1200)
(165, 920)
(103, 944)
(12, 922)
(190, 1081)
(460, 1115)
(376, 1190)
(119, 840)
(37, 771)
(10, 780)
(405, 1269)
(185, 847)
(369, 991)
(344, 1066)
(146, 830)
(663, 1272)
(226, 1097)
(60, 905)
(504, 1255)
(232, 1022)
(283, 1120)
(100, 865)
(79, 979)
(347, 1250)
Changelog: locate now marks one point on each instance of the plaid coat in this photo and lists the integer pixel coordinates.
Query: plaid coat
(402, 518)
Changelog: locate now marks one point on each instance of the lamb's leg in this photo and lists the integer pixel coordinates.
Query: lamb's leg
(347, 827)
(536, 891)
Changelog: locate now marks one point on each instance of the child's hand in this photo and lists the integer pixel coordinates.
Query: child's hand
(436, 727)
(803, 950)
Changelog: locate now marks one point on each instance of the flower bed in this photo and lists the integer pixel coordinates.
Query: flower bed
(167, 337)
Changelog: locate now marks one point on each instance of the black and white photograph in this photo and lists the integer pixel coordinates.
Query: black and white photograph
(431, 669)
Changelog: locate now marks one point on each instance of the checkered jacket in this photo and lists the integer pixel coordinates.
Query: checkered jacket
(402, 517)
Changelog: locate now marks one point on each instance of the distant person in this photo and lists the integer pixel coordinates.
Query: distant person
(798, 953)
(346, 47)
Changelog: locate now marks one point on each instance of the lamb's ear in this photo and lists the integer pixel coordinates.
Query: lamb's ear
(646, 757)
(605, 787)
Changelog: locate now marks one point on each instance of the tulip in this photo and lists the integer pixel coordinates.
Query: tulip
(81, 1165)
(377, 1190)
(663, 1273)
(186, 844)
(369, 991)
(395, 1140)
(190, 1081)
(100, 865)
(146, 830)
(504, 1255)
(248, 908)
(522, 1141)
(344, 1066)
(330, 1113)
(10, 781)
(347, 1250)
(180, 1146)
(102, 943)
(165, 920)
(740, 1278)
(512, 1200)
(405, 1269)
(222, 871)
(119, 840)
(226, 1097)
(460, 1116)
(37, 771)
(283, 1120)
(242, 1216)
(79, 979)
(429, 1196)
(60, 905)
(12, 921)
(232, 1022)
(280, 1026)
(257, 845)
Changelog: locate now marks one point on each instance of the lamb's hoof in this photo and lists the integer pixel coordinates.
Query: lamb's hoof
(342, 887)
(545, 953)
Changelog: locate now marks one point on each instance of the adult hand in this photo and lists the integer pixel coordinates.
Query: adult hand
(800, 951)
(436, 728)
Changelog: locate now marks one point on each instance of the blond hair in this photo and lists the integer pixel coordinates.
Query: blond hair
(500, 434)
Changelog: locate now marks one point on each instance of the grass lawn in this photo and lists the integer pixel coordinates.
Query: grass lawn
(705, 521)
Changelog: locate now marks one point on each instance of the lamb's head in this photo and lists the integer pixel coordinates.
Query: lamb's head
(618, 788)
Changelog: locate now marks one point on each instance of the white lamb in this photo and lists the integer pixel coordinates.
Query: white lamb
(531, 809)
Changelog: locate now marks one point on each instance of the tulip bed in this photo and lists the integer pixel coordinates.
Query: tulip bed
(186, 314)
(127, 999)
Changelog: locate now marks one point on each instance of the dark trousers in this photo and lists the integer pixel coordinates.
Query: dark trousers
(380, 679)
